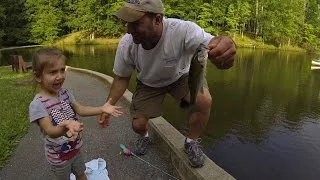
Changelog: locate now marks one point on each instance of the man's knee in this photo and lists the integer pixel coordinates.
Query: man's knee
(204, 100)
(139, 125)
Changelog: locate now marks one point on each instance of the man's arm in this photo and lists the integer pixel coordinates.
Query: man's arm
(118, 87)
(92, 110)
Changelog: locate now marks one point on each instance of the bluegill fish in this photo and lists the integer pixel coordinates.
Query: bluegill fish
(197, 72)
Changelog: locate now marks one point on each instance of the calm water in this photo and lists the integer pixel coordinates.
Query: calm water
(265, 117)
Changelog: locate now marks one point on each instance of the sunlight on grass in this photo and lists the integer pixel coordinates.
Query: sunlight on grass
(248, 42)
(78, 38)
(244, 42)
(16, 93)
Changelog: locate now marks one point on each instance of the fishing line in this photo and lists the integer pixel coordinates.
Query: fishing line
(128, 152)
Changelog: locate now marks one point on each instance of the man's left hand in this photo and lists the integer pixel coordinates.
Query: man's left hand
(222, 51)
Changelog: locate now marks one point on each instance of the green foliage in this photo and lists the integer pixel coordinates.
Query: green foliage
(2, 18)
(14, 25)
(232, 18)
(15, 93)
(205, 18)
(77, 40)
(244, 11)
(310, 41)
(46, 18)
(280, 23)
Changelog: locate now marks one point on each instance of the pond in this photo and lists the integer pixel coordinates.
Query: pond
(266, 110)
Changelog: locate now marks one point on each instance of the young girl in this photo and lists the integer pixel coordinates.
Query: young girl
(56, 111)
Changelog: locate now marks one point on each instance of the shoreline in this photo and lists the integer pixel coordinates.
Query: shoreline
(74, 39)
(19, 47)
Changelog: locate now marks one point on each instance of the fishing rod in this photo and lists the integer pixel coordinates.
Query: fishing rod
(128, 152)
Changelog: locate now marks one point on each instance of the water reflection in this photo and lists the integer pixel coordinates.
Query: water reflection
(263, 111)
(265, 118)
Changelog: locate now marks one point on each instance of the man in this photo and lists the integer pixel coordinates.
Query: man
(161, 50)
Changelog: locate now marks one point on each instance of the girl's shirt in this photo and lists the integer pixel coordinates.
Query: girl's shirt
(57, 150)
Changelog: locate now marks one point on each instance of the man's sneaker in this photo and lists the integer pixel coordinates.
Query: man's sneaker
(141, 146)
(195, 154)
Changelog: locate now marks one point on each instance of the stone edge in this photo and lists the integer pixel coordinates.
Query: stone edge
(171, 142)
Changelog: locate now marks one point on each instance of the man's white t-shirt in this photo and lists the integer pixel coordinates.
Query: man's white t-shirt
(168, 60)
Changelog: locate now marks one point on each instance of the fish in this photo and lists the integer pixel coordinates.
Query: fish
(197, 72)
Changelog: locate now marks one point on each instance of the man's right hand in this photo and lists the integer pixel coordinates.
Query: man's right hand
(222, 51)
(118, 87)
(104, 120)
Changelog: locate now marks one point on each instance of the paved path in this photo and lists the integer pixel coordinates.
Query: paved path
(28, 161)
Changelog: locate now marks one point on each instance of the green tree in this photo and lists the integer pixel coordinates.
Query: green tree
(205, 18)
(14, 23)
(244, 12)
(232, 18)
(111, 26)
(2, 17)
(311, 31)
(95, 17)
(46, 20)
(286, 22)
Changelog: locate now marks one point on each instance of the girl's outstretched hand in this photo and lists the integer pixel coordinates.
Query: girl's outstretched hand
(110, 109)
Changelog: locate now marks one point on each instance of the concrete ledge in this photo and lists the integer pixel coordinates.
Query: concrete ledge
(171, 141)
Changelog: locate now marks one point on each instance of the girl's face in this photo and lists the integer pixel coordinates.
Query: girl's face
(52, 77)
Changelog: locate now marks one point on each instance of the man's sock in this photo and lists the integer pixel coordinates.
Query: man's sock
(146, 135)
(188, 140)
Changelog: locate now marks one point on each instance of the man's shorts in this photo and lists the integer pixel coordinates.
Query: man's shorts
(76, 165)
(147, 101)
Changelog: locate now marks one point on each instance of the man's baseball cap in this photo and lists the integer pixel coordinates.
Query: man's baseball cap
(133, 10)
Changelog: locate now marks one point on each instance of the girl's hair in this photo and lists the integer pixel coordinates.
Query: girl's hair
(44, 57)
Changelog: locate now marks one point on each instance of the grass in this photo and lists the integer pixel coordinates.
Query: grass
(245, 41)
(248, 42)
(78, 38)
(16, 93)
